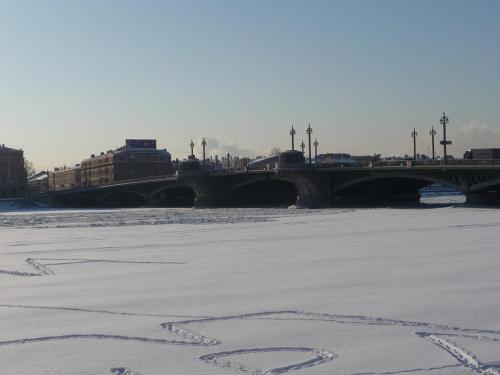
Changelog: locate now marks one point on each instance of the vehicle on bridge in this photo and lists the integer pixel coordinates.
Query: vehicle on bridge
(482, 154)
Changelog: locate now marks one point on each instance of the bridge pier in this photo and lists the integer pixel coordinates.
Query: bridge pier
(311, 201)
(313, 188)
(206, 201)
(209, 190)
(487, 198)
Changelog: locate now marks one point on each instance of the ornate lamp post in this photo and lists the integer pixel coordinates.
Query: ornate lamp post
(414, 136)
(302, 147)
(433, 134)
(316, 144)
(292, 134)
(444, 121)
(192, 146)
(204, 144)
(309, 132)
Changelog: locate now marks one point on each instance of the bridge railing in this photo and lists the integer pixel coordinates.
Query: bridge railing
(450, 162)
(151, 178)
(120, 182)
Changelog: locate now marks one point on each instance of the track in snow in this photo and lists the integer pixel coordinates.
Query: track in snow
(42, 269)
(437, 334)
(96, 336)
(123, 371)
(179, 328)
(466, 358)
(319, 357)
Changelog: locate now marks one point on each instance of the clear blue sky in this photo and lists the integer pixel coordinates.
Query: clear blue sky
(78, 77)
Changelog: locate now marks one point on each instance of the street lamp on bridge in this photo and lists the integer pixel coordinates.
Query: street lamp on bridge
(192, 146)
(433, 134)
(444, 121)
(309, 132)
(302, 147)
(203, 144)
(292, 134)
(316, 144)
(414, 136)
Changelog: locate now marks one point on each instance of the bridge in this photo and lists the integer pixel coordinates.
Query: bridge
(290, 184)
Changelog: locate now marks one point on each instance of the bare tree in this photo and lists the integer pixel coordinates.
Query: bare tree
(30, 168)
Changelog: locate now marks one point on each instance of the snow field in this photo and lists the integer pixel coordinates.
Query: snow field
(369, 291)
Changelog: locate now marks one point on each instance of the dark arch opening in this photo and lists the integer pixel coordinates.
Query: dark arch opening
(493, 188)
(179, 196)
(122, 199)
(488, 195)
(264, 193)
(74, 201)
(381, 191)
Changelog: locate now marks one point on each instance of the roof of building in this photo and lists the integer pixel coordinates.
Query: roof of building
(125, 149)
(42, 175)
(129, 148)
(3, 148)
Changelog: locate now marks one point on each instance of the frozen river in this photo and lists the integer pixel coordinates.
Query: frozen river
(255, 291)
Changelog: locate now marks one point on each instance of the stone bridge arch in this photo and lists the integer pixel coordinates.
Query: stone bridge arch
(262, 190)
(380, 187)
(485, 186)
(482, 179)
(417, 178)
(208, 189)
(81, 200)
(173, 195)
(121, 198)
(248, 181)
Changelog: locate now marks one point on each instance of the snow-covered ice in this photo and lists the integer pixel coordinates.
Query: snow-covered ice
(256, 291)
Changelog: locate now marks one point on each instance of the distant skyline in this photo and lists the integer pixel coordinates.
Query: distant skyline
(79, 77)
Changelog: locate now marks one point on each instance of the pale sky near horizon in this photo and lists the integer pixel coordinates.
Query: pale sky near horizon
(78, 77)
